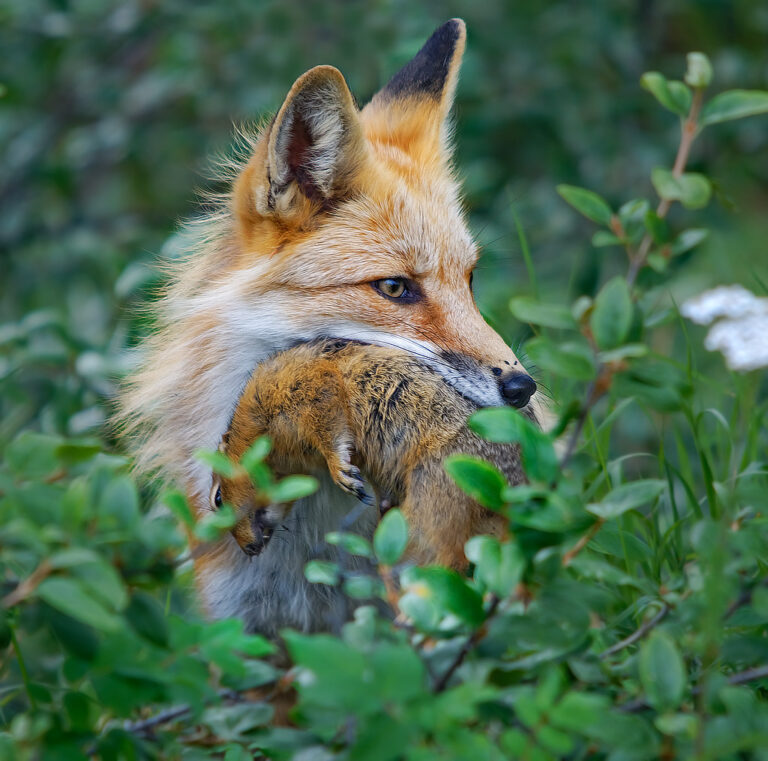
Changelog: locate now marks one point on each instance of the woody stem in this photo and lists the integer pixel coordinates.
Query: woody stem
(688, 135)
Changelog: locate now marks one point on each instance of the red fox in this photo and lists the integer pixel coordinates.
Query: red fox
(337, 405)
(342, 223)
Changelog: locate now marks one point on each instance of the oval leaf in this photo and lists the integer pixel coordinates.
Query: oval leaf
(70, 597)
(662, 672)
(506, 425)
(477, 478)
(691, 189)
(627, 497)
(734, 104)
(451, 593)
(611, 318)
(321, 572)
(529, 310)
(293, 488)
(391, 537)
(587, 203)
(568, 360)
(674, 96)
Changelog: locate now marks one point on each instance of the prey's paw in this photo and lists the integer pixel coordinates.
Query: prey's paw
(349, 478)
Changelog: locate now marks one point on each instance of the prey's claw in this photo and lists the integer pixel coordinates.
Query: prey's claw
(351, 480)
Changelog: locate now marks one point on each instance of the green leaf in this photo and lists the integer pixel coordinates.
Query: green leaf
(506, 425)
(391, 537)
(578, 711)
(734, 104)
(322, 572)
(687, 240)
(633, 211)
(699, 71)
(351, 543)
(32, 455)
(569, 359)
(178, 505)
(611, 318)
(292, 488)
(662, 672)
(120, 501)
(362, 587)
(450, 591)
(477, 478)
(627, 497)
(213, 524)
(674, 96)
(691, 189)
(499, 567)
(535, 312)
(588, 203)
(73, 556)
(656, 226)
(146, 617)
(628, 351)
(603, 238)
(339, 673)
(255, 454)
(219, 463)
(70, 597)
(685, 725)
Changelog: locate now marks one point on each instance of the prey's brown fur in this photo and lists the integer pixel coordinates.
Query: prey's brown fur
(350, 406)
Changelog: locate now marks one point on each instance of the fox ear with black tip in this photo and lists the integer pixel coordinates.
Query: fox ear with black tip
(412, 110)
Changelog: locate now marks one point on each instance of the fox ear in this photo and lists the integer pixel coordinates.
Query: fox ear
(412, 109)
(314, 147)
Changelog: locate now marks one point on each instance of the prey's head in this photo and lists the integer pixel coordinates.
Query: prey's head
(349, 225)
(257, 519)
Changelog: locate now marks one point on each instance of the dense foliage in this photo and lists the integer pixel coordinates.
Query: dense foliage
(625, 615)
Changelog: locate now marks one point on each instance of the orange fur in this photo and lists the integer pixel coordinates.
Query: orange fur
(334, 405)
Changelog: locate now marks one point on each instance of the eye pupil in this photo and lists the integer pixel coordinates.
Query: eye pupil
(394, 287)
(217, 498)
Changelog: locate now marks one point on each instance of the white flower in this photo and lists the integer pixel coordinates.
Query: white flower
(740, 331)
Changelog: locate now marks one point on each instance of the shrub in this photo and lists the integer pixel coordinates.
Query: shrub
(625, 615)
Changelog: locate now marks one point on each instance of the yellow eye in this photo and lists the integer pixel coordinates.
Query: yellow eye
(392, 287)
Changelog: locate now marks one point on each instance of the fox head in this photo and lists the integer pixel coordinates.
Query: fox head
(343, 223)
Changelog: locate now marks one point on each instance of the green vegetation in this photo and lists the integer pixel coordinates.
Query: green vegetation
(624, 617)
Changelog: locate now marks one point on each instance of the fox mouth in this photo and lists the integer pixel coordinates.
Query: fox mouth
(469, 380)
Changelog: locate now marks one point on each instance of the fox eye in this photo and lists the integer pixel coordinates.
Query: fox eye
(397, 288)
(216, 500)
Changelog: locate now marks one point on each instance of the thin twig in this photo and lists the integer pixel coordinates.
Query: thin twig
(651, 623)
(145, 726)
(688, 135)
(583, 542)
(27, 586)
(744, 598)
(573, 439)
(468, 646)
(749, 675)
(741, 677)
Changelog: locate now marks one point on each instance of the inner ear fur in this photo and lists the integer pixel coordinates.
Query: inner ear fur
(313, 150)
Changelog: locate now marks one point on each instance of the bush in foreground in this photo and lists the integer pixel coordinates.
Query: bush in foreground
(625, 615)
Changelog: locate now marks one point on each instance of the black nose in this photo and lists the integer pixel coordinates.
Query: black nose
(517, 389)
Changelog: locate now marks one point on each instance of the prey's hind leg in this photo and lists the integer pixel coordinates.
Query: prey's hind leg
(338, 448)
(325, 425)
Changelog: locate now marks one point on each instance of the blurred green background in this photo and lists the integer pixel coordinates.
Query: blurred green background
(111, 111)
